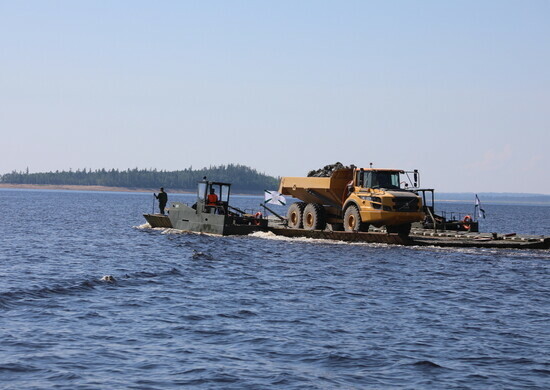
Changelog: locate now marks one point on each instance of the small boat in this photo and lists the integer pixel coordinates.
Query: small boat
(208, 214)
(444, 221)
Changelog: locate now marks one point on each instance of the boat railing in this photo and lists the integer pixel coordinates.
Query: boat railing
(454, 215)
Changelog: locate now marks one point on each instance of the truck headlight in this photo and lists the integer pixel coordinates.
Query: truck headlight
(372, 198)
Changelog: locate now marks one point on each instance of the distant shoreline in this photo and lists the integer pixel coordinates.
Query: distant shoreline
(84, 188)
(499, 201)
(72, 187)
(66, 187)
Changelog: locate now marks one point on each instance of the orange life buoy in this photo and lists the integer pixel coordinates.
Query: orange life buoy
(466, 222)
(257, 218)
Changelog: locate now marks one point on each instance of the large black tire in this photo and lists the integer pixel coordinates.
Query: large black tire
(402, 230)
(314, 217)
(352, 219)
(295, 215)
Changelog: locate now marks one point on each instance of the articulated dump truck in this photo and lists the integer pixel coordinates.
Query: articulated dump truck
(354, 199)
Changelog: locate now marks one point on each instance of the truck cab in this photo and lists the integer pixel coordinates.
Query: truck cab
(383, 197)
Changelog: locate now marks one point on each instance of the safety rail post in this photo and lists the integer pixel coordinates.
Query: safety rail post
(433, 219)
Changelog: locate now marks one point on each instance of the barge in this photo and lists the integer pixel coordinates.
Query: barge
(480, 240)
(423, 237)
(217, 216)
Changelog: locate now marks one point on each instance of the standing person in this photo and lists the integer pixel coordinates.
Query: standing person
(163, 199)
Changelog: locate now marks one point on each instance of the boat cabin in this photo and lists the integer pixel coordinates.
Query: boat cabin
(446, 220)
(213, 197)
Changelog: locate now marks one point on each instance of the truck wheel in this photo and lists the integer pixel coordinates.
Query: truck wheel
(402, 230)
(314, 217)
(352, 219)
(295, 215)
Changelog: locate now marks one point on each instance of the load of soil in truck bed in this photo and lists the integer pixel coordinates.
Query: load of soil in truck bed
(327, 170)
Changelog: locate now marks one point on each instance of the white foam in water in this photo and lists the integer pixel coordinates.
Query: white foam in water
(144, 226)
(275, 237)
(472, 250)
(163, 230)
(171, 231)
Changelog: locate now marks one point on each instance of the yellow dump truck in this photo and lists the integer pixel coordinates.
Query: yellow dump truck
(352, 199)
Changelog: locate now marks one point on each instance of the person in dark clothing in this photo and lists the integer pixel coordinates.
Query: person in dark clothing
(163, 199)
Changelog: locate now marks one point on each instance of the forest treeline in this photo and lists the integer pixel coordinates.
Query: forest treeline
(243, 178)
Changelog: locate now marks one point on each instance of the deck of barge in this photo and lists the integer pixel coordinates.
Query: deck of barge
(472, 240)
(423, 237)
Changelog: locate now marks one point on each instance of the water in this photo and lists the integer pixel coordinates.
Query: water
(206, 312)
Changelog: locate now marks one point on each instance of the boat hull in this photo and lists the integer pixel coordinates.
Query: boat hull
(158, 220)
(185, 218)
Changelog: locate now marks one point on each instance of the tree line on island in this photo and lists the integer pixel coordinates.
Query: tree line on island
(243, 178)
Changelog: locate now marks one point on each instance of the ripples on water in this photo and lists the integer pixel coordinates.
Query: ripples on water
(258, 311)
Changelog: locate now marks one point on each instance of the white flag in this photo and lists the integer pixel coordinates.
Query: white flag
(480, 211)
(273, 197)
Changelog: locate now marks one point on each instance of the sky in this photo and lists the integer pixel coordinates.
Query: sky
(459, 90)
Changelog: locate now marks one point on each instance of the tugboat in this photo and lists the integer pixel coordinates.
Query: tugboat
(211, 213)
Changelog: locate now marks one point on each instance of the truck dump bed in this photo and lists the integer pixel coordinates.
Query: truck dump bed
(330, 190)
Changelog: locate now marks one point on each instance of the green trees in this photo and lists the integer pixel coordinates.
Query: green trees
(243, 178)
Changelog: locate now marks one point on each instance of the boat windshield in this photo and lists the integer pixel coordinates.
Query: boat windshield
(201, 191)
(224, 193)
(380, 179)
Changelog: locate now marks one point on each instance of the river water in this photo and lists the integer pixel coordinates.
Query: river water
(205, 312)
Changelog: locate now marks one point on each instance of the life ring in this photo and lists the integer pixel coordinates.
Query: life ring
(466, 222)
(257, 218)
